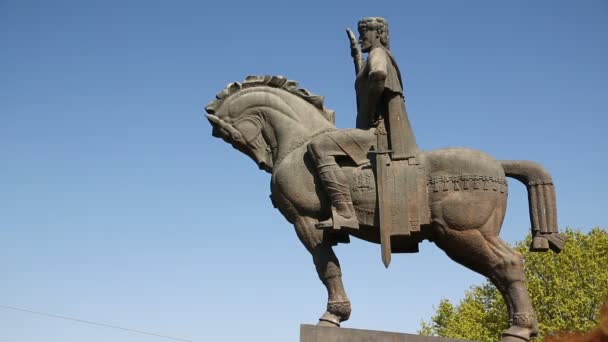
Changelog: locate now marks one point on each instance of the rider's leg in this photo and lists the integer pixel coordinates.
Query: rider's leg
(323, 150)
(343, 212)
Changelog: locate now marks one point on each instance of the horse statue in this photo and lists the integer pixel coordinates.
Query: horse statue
(271, 119)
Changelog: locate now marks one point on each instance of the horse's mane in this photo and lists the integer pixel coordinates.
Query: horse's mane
(279, 82)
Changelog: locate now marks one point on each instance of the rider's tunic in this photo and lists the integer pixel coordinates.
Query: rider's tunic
(390, 114)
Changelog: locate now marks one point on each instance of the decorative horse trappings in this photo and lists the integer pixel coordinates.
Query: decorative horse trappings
(462, 193)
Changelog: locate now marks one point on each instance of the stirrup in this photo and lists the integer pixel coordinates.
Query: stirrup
(337, 221)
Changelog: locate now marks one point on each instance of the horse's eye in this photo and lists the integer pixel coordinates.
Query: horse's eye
(249, 129)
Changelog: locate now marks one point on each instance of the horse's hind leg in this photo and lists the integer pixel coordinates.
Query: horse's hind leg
(482, 251)
(510, 274)
(328, 269)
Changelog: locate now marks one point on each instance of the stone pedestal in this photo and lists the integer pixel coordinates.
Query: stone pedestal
(313, 333)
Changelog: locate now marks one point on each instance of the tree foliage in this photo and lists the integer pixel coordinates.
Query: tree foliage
(566, 289)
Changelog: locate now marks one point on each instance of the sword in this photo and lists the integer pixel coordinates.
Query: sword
(385, 216)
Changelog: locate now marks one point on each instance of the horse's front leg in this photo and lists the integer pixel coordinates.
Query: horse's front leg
(328, 269)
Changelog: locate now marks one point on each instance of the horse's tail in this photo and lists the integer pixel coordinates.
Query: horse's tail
(542, 203)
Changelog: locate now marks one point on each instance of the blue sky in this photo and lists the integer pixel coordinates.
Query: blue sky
(117, 205)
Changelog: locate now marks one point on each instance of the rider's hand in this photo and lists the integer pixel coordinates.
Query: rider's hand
(355, 49)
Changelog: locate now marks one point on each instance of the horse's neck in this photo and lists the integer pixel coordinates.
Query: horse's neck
(291, 133)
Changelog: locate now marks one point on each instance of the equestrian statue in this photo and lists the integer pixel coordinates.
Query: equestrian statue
(374, 183)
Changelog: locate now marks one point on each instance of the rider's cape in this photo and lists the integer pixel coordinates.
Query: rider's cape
(400, 133)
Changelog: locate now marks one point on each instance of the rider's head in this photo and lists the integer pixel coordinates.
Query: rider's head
(377, 27)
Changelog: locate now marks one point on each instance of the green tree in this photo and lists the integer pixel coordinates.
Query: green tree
(566, 289)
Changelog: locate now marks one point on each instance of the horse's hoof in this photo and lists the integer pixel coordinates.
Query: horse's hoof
(516, 334)
(329, 320)
(323, 323)
(508, 338)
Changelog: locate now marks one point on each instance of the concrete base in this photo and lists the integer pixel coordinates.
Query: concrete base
(313, 333)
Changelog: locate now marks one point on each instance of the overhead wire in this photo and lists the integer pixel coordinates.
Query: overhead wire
(93, 323)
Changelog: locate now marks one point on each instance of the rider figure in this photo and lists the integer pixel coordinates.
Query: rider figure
(380, 112)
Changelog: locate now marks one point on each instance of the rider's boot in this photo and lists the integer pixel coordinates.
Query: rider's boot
(342, 210)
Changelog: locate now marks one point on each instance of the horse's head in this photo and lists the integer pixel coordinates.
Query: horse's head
(246, 115)
(246, 136)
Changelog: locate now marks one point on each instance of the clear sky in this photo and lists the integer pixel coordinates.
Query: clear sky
(117, 206)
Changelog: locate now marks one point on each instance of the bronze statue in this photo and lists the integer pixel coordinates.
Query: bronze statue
(374, 184)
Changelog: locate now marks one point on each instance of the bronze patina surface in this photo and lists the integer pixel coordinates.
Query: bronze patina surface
(374, 183)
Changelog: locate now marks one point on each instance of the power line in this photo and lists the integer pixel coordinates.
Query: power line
(93, 323)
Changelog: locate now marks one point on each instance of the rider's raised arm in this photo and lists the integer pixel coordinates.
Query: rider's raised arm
(355, 51)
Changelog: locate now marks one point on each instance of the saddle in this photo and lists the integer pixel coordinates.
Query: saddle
(404, 201)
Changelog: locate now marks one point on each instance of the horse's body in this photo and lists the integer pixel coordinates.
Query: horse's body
(272, 121)
(297, 191)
